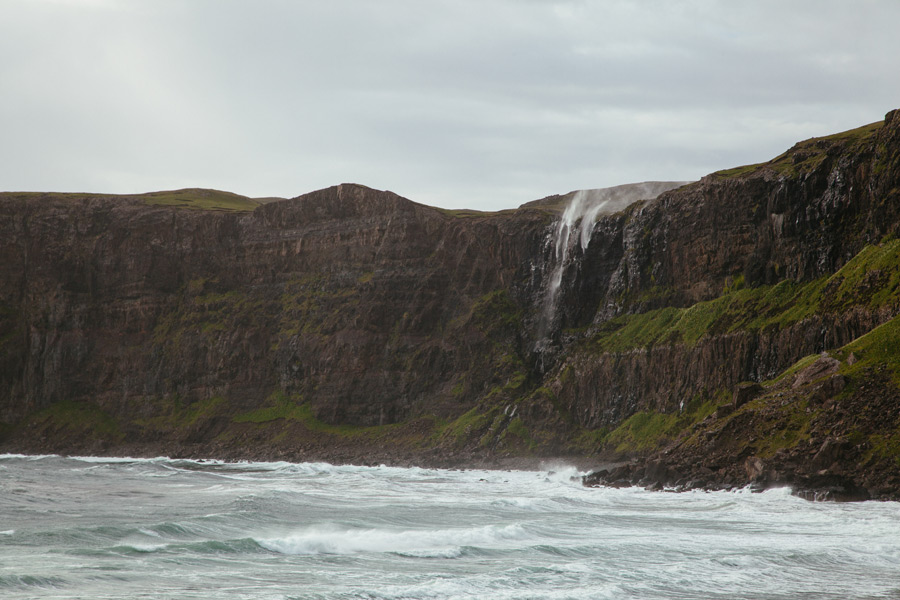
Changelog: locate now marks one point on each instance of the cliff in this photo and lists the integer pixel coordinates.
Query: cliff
(353, 324)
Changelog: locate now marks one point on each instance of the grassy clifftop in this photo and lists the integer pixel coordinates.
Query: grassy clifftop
(805, 156)
(201, 199)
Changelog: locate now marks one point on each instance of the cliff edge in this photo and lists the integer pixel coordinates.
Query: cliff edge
(735, 330)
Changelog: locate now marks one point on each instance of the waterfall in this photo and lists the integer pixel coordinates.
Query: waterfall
(576, 223)
(576, 226)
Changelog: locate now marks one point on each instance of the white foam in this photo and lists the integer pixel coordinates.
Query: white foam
(565, 475)
(147, 548)
(149, 532)
(439, 542)
(117, 459)
(379, 532)
(14, 456)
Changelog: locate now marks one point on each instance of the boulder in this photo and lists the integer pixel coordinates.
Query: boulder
(744, 393)
(755, 467)
(824, 366)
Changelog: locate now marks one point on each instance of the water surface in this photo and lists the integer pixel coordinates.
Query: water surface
(98, 528)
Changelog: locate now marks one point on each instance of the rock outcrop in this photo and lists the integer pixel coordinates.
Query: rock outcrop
(356, 300)
(353, 324)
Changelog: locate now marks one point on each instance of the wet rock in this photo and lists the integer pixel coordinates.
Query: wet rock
(595, 478)
(830, 487)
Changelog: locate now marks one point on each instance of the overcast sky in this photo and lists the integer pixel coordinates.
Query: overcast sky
(483, 104)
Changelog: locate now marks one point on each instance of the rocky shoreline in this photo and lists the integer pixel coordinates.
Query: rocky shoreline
(831, 460)
(610, 471)
(736, 331)
(656, 476)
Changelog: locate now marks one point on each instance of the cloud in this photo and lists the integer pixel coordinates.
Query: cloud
(484, 104)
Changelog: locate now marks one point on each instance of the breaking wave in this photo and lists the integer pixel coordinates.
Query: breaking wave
(111, 528)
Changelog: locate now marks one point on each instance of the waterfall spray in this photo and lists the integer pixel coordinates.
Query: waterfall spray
(576, 226)
(576, 223)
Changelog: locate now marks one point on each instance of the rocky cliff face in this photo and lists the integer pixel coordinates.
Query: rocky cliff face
(350, 323)
(795, 220)
(357, 301)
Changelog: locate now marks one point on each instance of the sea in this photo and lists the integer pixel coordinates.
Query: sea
(98, 528)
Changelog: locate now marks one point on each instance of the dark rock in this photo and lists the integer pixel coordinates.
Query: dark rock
(657, 471)
(823, 487)
(595, 478)
(744, 393)
(723, 410)
(832, 450)
(183, 330)
(755, 468)
(824, 365)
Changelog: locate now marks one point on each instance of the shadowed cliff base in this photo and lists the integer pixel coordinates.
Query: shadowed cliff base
(353, 325)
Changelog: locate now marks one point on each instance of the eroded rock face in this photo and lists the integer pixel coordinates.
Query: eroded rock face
(798, 218)
(358, 300)
(370, 309)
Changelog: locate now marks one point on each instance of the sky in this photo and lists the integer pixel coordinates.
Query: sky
(483, 104)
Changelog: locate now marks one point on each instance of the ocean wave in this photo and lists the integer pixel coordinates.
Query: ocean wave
(519, 502)
(204, 547)
(139, 548)
(30, 581)
(113, 460)
(563, 474)
(449, 542)
(14, 456)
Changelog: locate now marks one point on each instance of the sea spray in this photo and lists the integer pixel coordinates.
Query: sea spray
(319, 531)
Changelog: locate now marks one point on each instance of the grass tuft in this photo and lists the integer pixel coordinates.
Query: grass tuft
(200, 199)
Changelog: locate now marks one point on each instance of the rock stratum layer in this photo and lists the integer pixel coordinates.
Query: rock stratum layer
(735, 330)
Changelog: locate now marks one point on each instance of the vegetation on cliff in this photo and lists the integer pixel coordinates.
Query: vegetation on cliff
(741, 328)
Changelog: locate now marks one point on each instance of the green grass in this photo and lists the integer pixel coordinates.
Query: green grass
(494, 311)
(518, 435)
(793, 369)
(282, 410)
(871, 279)
(466, 426)
(205, 408)
(465, 212)
(790, 428)
(291, 410)
(885, 446)
(588, 441)
(807, 155)
(879, 347)
(200, 199)
(189, 198)
(646, 431)
(738, 171)
(173, 414)
(81, 417)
